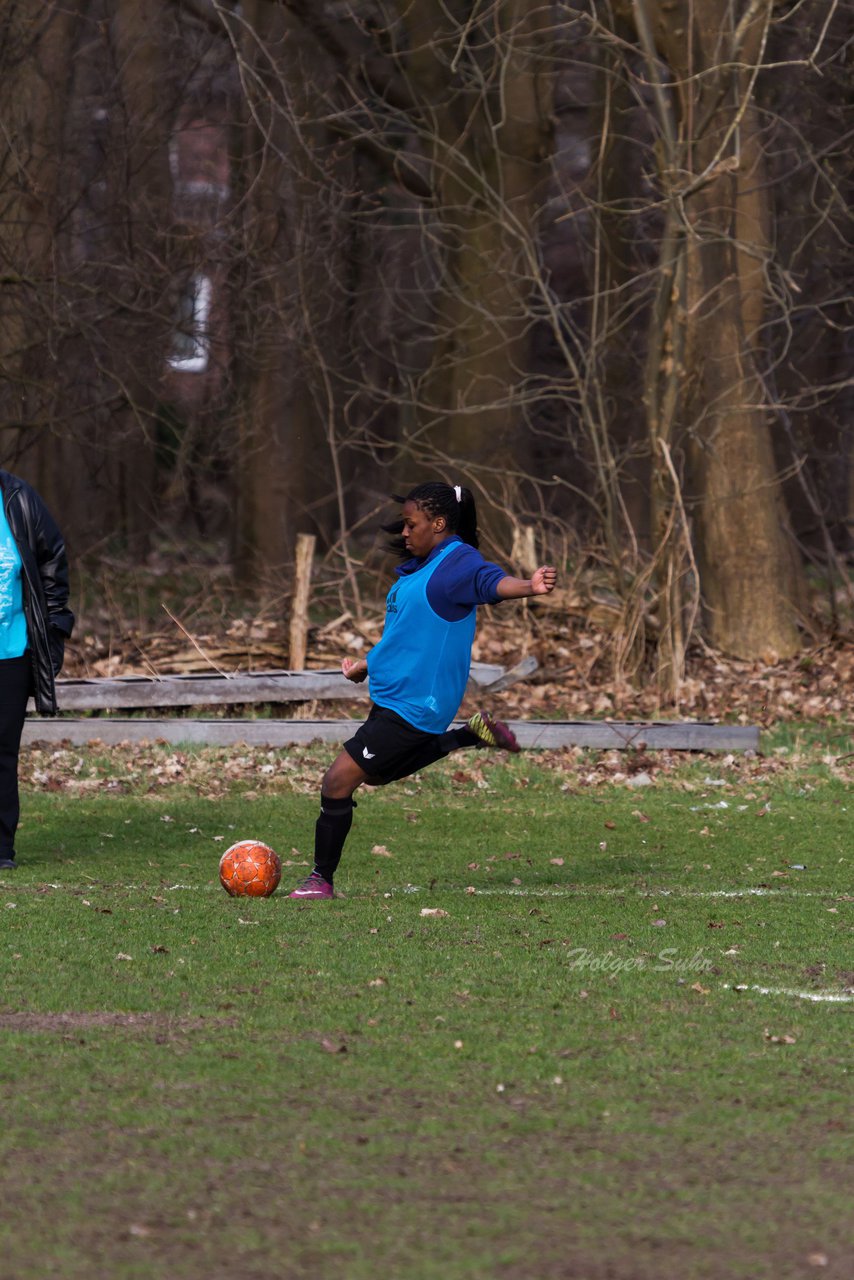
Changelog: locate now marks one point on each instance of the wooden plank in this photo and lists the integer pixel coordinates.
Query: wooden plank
(532, 734)
(639, 735)
(211, 733)
(130, 692)
(203, 690)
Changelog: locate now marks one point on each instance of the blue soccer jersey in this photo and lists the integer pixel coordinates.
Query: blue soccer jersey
(421, 665)
(13, 623)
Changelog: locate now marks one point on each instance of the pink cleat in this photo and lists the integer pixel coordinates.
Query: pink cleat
(313, 888)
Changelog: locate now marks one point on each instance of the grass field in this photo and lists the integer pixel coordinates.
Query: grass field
(619, 1046)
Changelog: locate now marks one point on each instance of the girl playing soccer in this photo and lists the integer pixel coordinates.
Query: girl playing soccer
(418, 671)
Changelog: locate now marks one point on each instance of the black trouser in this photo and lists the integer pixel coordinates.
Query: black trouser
(15, 683)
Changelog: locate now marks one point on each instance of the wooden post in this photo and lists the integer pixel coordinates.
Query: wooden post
(299, 603)
(524, 549)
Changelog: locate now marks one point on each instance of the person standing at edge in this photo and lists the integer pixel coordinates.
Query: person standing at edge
(35, 622)
(419, 669)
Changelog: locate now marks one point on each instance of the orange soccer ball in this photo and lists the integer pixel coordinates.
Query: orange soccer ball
(250, 869)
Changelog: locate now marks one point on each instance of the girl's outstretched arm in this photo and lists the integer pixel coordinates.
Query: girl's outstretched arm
(540, 583)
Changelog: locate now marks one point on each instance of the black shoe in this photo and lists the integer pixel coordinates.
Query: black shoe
(8, 864)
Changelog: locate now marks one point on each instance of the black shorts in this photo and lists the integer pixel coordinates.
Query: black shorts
(388, 747)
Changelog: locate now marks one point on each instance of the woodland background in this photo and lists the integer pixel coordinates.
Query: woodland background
(264, 264)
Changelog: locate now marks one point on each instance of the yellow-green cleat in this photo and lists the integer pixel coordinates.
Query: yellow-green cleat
(492, 732)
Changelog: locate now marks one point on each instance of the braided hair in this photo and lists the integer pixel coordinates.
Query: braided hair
(438, 499)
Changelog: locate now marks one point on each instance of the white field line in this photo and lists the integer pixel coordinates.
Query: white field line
(819, 997)
(593, 892)
(516, 891)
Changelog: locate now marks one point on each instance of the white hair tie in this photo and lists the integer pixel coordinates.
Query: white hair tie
(458, 491)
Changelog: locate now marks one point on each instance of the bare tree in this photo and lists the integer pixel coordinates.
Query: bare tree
(91, 260)
(37, 43)
(713, 176)
(453, 107)
(289, 299)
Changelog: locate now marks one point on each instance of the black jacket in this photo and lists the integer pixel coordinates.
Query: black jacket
(45, 583)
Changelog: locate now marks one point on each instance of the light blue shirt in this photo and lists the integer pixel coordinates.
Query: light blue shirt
(420, 666)
(13, 623)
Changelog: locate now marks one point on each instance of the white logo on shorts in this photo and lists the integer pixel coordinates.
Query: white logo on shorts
(369, 755)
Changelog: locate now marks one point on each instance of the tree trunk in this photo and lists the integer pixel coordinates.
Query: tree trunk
(141, 273)
(92, 326)
(733, 487)
(616, 174)
(34, 85)
(485, 102)
(284, 475)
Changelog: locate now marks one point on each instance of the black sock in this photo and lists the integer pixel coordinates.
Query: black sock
(330, 832)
